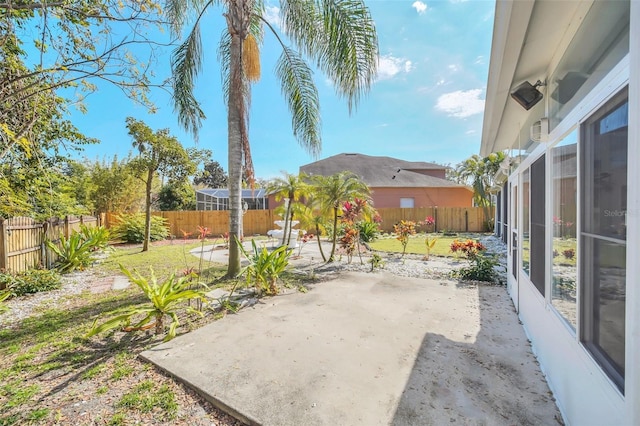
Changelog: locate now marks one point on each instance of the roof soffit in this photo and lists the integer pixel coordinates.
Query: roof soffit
(529, 37)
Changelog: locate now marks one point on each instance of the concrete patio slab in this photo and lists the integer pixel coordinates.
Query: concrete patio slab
(368, 349)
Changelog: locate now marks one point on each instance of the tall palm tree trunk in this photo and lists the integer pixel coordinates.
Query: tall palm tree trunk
(335, 235)
(238, 24)
(285, 230)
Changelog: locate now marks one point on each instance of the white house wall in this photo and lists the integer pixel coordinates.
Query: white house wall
(584, 392)
(633, 226)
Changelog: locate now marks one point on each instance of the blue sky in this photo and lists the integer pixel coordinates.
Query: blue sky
(426, 104)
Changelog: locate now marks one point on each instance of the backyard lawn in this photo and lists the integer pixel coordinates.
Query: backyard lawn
(51, 374)
(416, 245)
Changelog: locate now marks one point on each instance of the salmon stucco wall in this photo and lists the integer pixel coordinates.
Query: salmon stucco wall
(423, 197)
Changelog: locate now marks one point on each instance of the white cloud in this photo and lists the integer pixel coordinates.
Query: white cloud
(272, 15)
(440, 82)
(461, 104)
(470, 132)
(419, 6)
(453, 68)
(408, 66)
(389, 66)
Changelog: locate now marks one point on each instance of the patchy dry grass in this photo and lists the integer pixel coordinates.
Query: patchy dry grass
(51, 374)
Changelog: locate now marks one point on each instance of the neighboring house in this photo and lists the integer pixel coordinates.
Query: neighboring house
(397, 183)
(570, 205)
(218, 199)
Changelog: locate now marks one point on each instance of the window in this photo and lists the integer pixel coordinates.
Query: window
(505, 212)
(525, 229)
(406, 203)
(537, 225)
(603, 235)
(564, 198)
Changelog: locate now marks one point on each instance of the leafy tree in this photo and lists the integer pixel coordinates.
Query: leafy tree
(116, 188)
(177, 196)
(291, 188)
(159, 152)
(74, 46)
(213, 176)
(339, 36)
(330, 192)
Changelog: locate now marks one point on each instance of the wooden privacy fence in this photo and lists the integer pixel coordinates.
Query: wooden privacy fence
(22, 240)
(457, 219)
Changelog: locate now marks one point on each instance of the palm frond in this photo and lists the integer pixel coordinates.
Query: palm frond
(302, 98)
(178, 12)
(340, 36)
(351, 57)
(186, 63)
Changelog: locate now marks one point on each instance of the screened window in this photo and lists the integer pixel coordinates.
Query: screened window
(537, 225)
(526, 220)
(603, 235)
(564, 193)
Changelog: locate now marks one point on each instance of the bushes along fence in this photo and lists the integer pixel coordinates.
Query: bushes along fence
(22, 240)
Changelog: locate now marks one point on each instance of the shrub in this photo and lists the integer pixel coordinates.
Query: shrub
(4, 295)
(98, 236)
(349, 242)
(403, 230)
(73, 253)
(469, 248)
(166, 298)
(130, 228)
(31, 281)
(569, 253)
(265, 267)
(481, 268)
(368, 231)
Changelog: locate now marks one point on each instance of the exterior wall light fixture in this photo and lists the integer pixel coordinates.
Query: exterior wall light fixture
(527, 95)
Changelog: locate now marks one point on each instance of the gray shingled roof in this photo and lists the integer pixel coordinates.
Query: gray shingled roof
(379, 172)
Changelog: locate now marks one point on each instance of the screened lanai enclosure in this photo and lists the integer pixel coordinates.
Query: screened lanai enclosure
(218, 199)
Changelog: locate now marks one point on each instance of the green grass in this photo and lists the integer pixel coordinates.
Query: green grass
(145, 398)
(47, 353)
(417, 245)
(164, 260)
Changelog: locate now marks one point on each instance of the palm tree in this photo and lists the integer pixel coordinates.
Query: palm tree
(332, 191)
(290, 188)
(479, 173)
(337, 35)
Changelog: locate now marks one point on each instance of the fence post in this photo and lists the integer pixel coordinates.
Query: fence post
(466, 220)
(4, 244)
(66, 226)
(435, 219)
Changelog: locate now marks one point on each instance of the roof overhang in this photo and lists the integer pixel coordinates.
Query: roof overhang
(529, 38)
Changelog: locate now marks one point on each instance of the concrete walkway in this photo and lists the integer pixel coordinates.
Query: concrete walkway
(368, 349)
